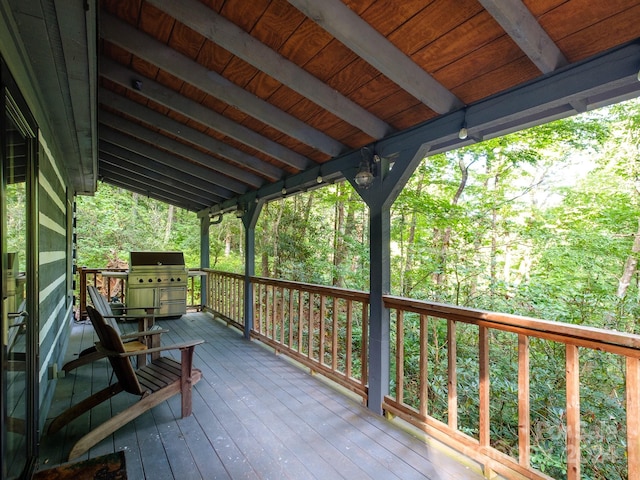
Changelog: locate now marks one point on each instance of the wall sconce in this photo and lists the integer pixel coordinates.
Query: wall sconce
(364, 177)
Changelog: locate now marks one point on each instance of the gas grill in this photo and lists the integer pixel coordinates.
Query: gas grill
(158, 279)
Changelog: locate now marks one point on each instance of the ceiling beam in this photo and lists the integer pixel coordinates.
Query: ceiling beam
(516, 19)
(166, 97)
(237, 180)
(232, 38)
(147, 48)
(116, 172)
(163, 122)
(128, 184)
(603, 80)
(171, 177)
(360, 37)
(131, 144)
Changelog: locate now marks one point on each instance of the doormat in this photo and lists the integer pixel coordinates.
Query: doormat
(106, 467)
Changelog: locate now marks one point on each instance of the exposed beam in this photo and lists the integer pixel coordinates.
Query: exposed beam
(162, 95)
(606, 79)
(516, 19)
(163, 158)
(218, 29)
(172, 179)
(237, 179)
(115, 172)
(160, 196)
(345, 25)
(192, 135)
(147, 48)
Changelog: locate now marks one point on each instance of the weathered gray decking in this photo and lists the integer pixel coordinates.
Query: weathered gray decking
(255, 415)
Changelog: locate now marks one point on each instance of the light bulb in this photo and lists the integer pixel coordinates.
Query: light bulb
(462, 134)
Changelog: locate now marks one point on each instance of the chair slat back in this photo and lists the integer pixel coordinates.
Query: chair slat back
(101, 304)
(110, 339)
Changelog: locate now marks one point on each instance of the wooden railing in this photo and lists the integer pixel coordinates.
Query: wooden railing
(322, 328)
(445, 377)
(115, 288)
(225, 296)
(443, 327)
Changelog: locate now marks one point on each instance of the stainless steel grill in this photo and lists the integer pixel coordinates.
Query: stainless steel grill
(158, 279)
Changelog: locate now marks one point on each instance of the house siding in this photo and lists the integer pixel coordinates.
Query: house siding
(55, 279)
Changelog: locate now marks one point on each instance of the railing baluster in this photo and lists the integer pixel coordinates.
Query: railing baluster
(633, 417)
(400, 356)
(364, 349)
(290, 321)
(300, 317)
(349, 338)
(322, 333)
(424, 356)
(524, 402)
(452, 397)
(484, 394)
(311, 325)
(573, 412)
(334, 335)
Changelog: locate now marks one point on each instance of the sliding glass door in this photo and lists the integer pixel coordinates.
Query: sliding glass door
(19, 325)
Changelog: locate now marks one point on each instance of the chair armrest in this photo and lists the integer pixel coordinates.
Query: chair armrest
(146, 333)
(177, 346)
(130, 317)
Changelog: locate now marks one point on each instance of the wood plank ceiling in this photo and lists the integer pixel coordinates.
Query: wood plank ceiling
(204, 101)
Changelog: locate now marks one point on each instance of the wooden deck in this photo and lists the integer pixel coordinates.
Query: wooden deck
(255, 415)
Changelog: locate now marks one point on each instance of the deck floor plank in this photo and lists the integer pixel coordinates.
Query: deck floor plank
(256, 415)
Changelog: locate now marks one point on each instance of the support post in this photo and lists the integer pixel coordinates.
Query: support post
(249, 220)
(387, 185)
(205, 223)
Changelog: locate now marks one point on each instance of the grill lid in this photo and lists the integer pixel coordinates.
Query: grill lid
(141, 259)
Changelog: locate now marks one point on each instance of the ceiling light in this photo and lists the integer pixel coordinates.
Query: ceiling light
(463, 133)
(364, 177)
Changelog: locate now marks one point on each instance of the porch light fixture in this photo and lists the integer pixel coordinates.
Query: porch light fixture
(364, 177)
(239, 211)
(463, 133)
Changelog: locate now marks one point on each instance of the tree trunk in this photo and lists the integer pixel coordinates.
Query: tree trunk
(630, 266)
(169, 226)
(276, 238)
(338, 240)
(446, 235)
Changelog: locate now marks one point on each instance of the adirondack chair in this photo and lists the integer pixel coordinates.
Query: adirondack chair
(153, 383)
(148, 335)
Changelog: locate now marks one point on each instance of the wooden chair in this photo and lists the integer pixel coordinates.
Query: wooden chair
(153, 383)
(148, 335)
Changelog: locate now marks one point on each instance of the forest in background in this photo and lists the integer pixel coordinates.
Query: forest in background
(543, 223)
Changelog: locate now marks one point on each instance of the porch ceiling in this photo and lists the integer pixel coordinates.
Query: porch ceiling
(205, 103)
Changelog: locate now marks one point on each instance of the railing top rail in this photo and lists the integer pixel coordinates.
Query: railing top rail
(528, 325)
(104, 269)
(319, 289)
(220, 272)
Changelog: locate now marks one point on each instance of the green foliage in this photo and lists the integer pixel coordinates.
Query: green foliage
(115, 222)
